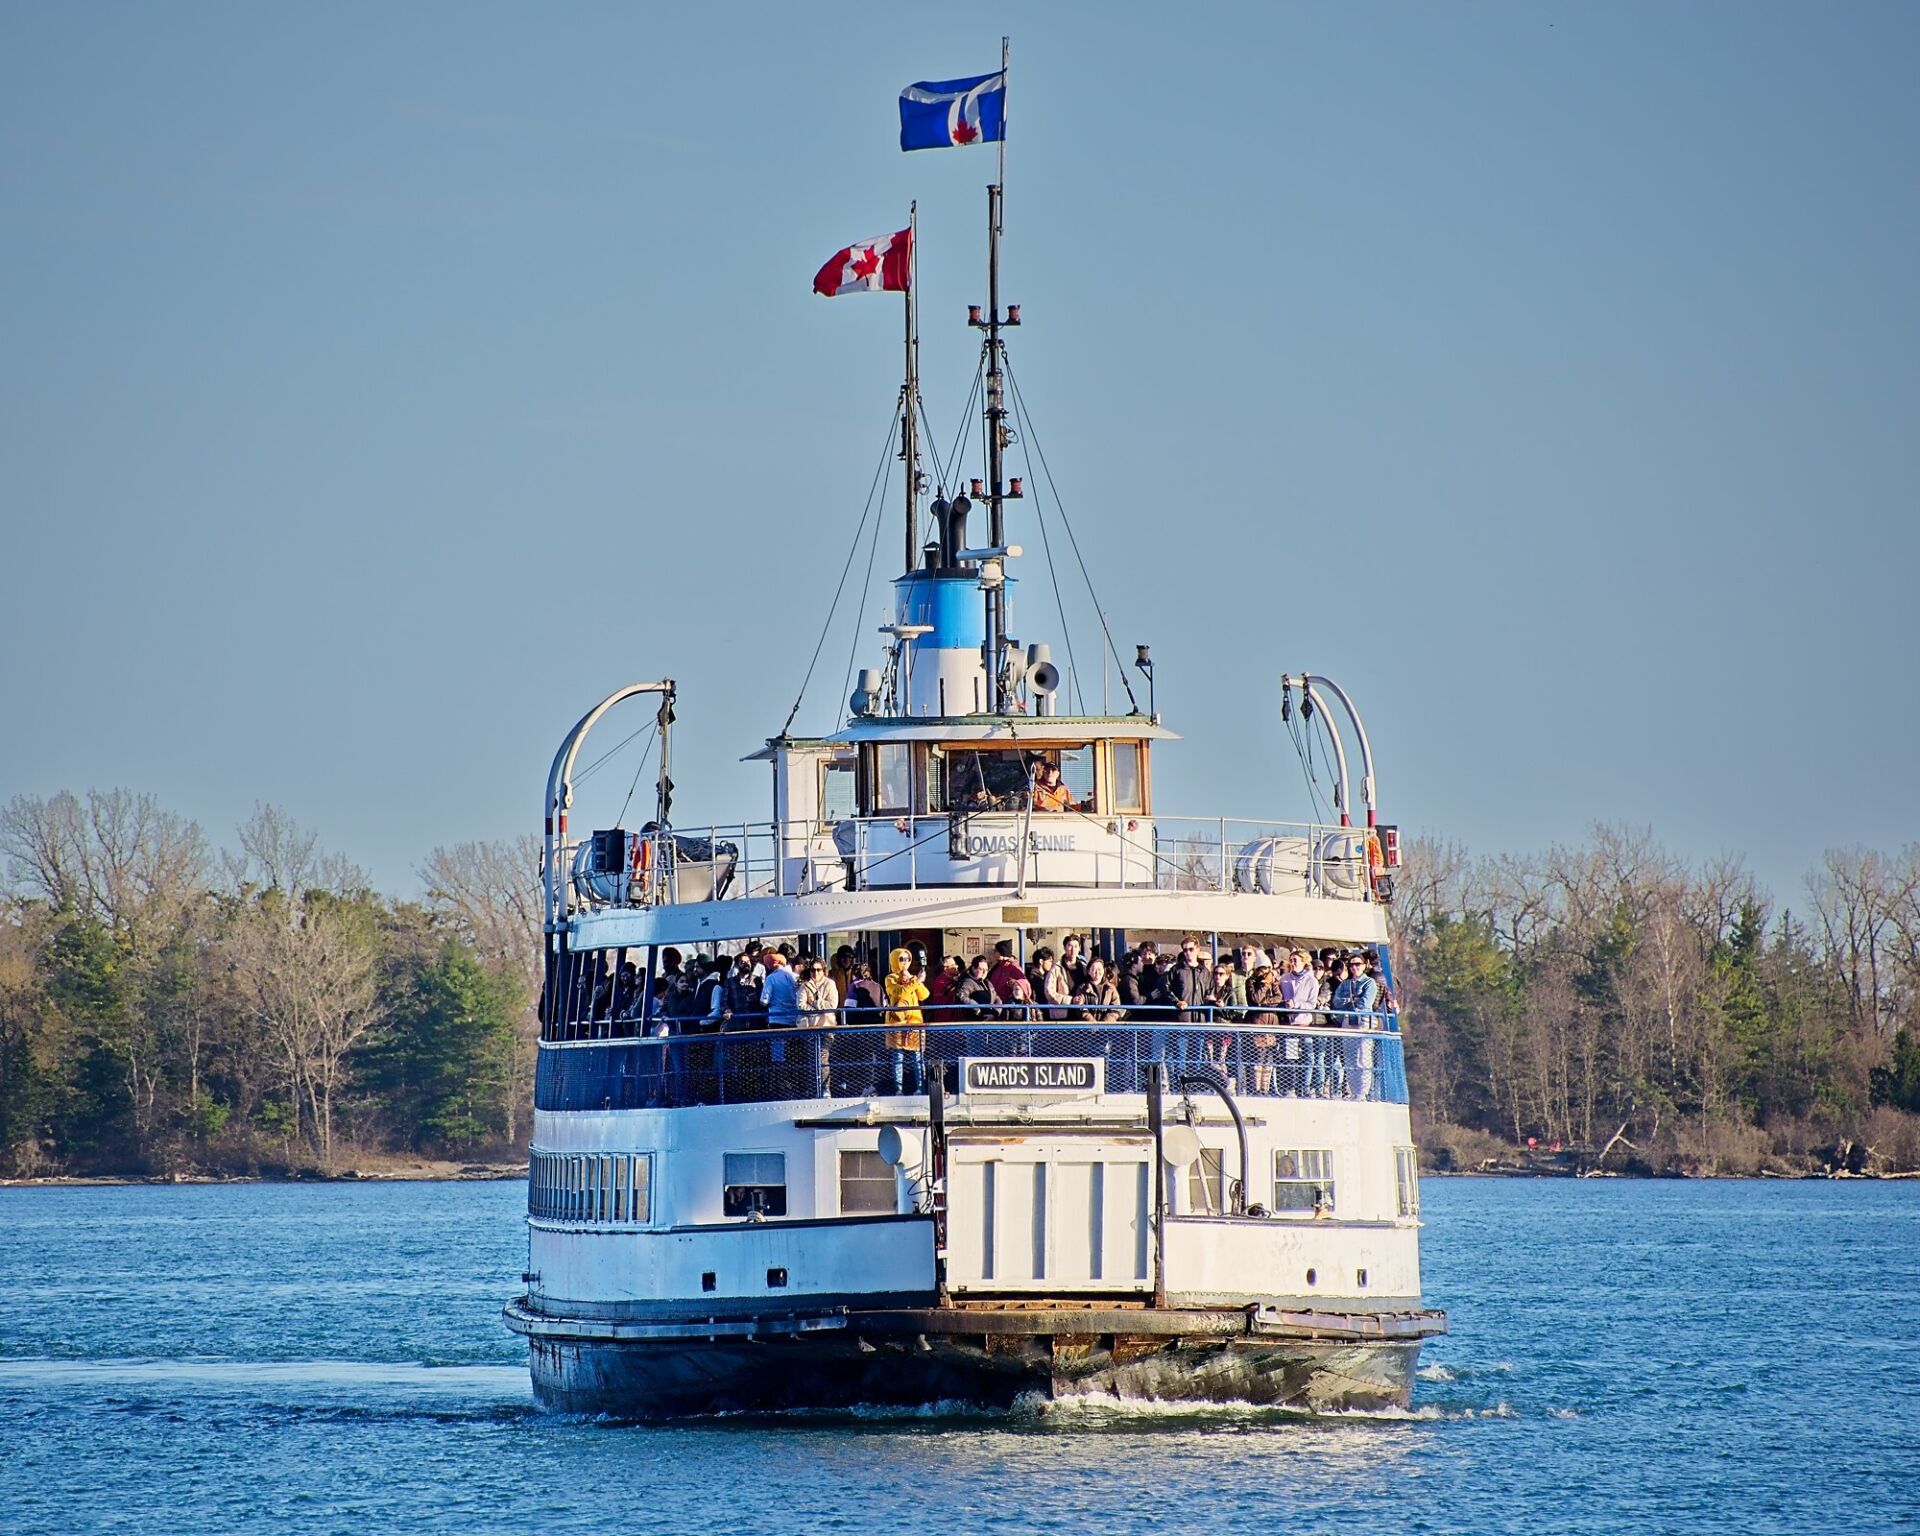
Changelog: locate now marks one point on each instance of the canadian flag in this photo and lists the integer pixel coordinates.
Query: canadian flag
(880, 265)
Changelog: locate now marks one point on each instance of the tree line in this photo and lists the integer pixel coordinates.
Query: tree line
(166, 1008)
(1613, 998)
(169, 1008)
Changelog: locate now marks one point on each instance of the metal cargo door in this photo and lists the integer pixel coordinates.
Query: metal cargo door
(1066, 1217)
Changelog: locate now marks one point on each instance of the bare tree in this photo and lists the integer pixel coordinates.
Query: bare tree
(279, 855)
(311, 985)
(489, 892)
(1856, 895)
(1431, 884)
(118, 858)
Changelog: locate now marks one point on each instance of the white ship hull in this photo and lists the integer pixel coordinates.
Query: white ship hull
(1044, 1276)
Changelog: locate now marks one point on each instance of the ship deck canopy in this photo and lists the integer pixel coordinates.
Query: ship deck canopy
(997, 728)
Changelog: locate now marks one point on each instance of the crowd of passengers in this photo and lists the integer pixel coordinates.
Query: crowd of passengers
(768, 986)
(1182, 998)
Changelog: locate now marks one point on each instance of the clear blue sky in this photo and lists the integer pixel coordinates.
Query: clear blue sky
(381, 384)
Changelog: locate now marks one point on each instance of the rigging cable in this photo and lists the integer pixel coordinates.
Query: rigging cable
(948, 474)
(585, 773)
(939, 475)
(866, 586)
(951, 472)
(852, 550)
(1067, 523)
(1305, 754)
(645, 753)
(1046, 544)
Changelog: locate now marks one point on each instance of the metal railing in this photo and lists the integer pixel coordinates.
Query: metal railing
(1360, 1061)
(905, 852)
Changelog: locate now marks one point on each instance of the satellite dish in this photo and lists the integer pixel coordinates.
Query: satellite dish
(1179, 1145)
(898, 1147)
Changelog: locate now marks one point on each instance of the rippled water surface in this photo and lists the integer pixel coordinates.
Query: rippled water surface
(1626, 1357)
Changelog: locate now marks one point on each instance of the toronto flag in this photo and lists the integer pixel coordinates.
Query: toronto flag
(935, 114)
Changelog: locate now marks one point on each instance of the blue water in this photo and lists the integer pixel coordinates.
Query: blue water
(1627, 1357)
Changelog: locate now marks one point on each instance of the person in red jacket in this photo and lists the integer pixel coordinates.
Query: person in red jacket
(1006, 978)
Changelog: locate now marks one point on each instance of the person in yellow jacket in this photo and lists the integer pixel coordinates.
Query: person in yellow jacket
(905, 1038)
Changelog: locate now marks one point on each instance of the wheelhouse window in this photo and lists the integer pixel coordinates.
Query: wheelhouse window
(892, 779)
(867, 1185)
(986, 781)
(1129, 777)
(836, 790)
(1076, 777)
(1303, 1181)
(754, 1184)
(1003, 778)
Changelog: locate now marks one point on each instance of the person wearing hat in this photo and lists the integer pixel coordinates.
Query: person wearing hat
(842, 972)
(905, 1038)
(1006, 977)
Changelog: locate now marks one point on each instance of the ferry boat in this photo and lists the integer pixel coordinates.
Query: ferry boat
(976, 1202)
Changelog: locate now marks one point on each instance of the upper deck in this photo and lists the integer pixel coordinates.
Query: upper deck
(1215, 874)
(910, 820)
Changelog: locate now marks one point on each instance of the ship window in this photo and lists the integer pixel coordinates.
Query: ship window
(755, 1184)
(1302, 1181)
(642, 1203)
(1129, 788)
(1406, 1175)
(867, 1185)
(986, 781)
(1207, 1183)
(1076, 776)
(836, 791)
(561, 1187)
(892, 778)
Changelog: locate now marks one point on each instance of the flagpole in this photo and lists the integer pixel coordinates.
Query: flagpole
(1006, 90)
(910, 395)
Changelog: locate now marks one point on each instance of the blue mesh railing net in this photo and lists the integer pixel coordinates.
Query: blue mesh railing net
(1362, 1062)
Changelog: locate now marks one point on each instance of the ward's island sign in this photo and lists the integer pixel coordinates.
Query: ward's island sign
(1033, 1076)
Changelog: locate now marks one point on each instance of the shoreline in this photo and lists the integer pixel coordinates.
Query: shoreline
(483, 1173)
(423, 1172)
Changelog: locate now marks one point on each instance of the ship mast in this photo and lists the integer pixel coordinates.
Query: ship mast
(996, 413)
(910, 391)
